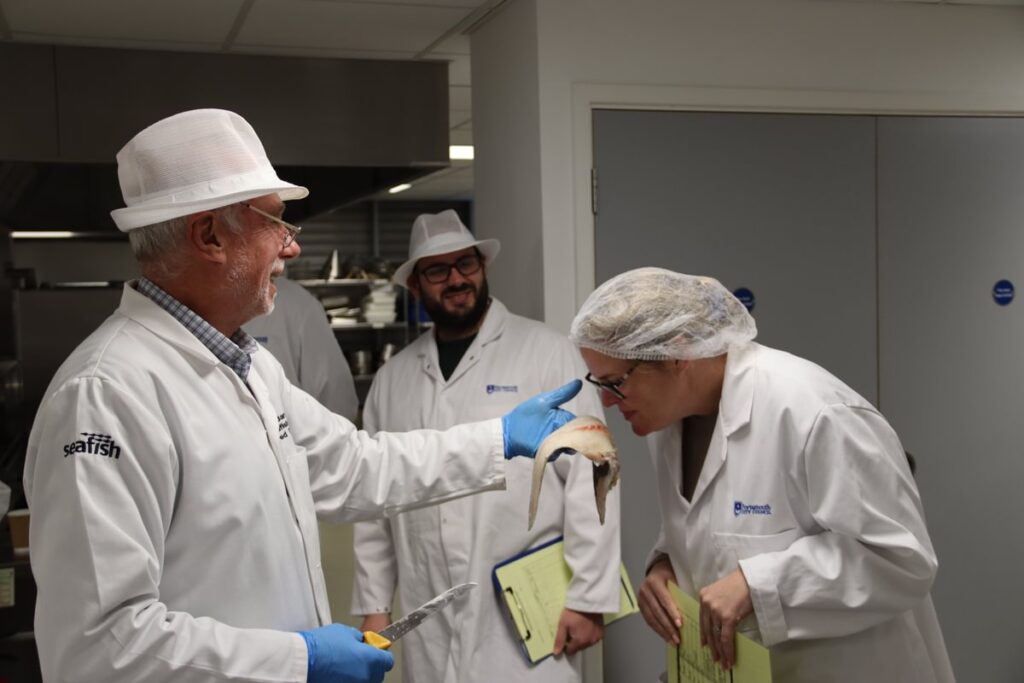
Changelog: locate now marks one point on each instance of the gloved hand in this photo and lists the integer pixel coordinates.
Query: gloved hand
(337, 654)
(533, 419)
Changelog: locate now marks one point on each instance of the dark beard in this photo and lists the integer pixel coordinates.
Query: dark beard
(451, 324)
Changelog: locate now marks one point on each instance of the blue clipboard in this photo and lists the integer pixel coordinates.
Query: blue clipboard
(533, 612)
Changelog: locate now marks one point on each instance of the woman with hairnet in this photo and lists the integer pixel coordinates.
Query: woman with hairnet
(787, 505)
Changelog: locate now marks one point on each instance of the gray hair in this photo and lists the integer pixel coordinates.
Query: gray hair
(157, 247)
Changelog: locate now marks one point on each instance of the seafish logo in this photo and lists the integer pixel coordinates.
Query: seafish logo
(496, 388)
(94, 444)
(741, 508)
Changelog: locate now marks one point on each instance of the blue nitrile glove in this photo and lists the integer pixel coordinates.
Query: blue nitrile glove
(533, 419)
(337, 654)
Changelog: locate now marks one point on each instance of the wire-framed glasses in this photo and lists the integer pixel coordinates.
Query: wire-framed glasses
(291, 231)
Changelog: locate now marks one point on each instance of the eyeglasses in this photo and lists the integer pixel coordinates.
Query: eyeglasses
(612, 386)
(292, 230)
(439, 272)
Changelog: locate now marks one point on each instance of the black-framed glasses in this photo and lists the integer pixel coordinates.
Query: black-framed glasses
(436, 273)
(612, 385)
(292, 231)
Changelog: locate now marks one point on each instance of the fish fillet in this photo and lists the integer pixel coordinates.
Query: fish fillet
(589, 437)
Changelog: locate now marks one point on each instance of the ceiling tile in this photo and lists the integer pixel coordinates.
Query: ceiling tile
(324, 52)
(111, 21)
(457, 44)
(1008, 3)
(321, 24)
(470, 4)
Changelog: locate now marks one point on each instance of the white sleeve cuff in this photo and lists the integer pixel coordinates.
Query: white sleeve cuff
(762, 581)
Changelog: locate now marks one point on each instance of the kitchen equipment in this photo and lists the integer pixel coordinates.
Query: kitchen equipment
(18, 522)
(384, 638)
(361, 362)
(386, 352)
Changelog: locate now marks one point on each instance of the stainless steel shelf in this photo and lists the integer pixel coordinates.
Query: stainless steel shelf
(342, 283)
(369, 326)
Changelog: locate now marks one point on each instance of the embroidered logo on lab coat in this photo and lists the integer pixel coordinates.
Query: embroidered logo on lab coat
(282, 427)
(94, 444)
(498, 388)
(741, 508)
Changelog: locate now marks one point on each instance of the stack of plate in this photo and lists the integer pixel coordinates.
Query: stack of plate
(379, 304)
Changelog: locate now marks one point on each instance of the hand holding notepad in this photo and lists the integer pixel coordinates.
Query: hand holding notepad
(691, 662)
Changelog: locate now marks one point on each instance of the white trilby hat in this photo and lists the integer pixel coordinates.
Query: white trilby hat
(441, 233)
(193, 161)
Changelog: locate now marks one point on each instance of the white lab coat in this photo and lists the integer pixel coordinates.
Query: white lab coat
(432, 549)
(181, 545)
(806, 487)
(297, 333)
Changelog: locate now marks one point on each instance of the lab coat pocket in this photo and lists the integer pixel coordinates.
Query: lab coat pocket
(731, 548)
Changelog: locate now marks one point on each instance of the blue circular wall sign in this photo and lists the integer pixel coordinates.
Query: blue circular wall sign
(1002, 292)
(746, 297)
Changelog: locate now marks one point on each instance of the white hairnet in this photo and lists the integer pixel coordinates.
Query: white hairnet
(656, 314)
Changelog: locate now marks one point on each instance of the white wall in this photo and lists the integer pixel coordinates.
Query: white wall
(788, 55)
(506, 135)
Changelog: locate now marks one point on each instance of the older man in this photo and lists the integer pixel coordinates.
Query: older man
(476, 363)
(173, 472)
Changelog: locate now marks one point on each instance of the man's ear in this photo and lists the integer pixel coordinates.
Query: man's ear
(413, 285)
(202, 233)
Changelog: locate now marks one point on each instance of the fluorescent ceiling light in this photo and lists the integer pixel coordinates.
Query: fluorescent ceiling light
(42, 234)
(399, 188)
(460, 151)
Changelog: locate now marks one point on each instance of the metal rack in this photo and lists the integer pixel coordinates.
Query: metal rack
(365, 336)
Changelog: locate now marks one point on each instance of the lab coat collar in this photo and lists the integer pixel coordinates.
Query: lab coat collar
(737, 399)
(491, 330)
(734, 410)
(149, 314)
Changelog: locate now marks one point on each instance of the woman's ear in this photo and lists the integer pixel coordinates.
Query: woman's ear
(202, 234)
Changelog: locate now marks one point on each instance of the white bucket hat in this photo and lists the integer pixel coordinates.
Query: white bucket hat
(194, 161)
(441, 233)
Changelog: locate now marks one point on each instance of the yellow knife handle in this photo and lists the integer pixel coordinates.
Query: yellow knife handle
(376, 639)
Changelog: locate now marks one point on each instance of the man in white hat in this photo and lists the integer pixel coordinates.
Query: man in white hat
(175, 476)
(476, 362)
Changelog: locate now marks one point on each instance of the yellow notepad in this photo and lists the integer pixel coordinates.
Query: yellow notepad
(691, 663)
(533, 586)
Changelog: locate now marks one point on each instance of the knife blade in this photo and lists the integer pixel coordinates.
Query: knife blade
(389, 634)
